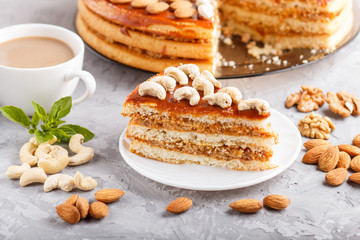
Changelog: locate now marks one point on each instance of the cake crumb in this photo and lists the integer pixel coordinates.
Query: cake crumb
(228, 41)
(251, 66)
(313, 51)
(256, 51)
(285, 62)
(305, 61)
(232, 64)
(301, 57)
(245, 38)
(267, 69)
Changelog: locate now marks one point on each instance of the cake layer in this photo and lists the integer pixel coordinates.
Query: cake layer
(173, 156)
(138, 59)
(216, 152)
(295, 40)
(237, 128)
(308, 10)
(216, 122)
(212, 140)
(164, 23)
(203, 111)
(164, 45)
(287, 25)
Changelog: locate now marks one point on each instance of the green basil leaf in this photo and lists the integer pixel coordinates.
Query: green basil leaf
(40, 110)
(61, 108)
(60, 134)
(16, 115)
(68, 130)
(35, 120)
(88, 135)
(57, 123)
(43, 137)
(53, 114)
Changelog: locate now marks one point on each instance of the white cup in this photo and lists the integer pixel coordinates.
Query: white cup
(20, 86)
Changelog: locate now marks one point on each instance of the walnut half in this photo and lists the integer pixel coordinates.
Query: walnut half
(308, 99)
(316, 126)
(343, 103)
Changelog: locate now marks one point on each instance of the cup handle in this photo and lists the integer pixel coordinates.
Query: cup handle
(89, 81)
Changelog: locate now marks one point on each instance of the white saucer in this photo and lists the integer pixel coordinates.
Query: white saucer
(196, 177)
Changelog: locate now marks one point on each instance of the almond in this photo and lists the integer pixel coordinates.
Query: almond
(276, 201)
(72, 199)
(109, 195)
(350, 149)
(98, 210)
(314, 143)
(179, 205)
(355, 164)
(356, 140)
(180, 4)
(83, 206)
(355, 177)
(329, 159)
(336, 177)
(157, 7)
(344, 160)
(247, 205)
(120, 1)
(184, 12)
(68, 213)
(312, 156)
(142, 3)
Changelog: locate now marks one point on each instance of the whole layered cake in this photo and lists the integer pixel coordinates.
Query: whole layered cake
(184, 116)
(155, 34)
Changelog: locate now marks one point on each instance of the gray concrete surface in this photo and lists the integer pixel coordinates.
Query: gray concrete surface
(317, 211)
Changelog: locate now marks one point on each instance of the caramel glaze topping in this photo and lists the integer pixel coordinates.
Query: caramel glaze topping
(125, 14)
(175, 107)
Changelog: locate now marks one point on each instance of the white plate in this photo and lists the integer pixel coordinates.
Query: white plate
(196, 177)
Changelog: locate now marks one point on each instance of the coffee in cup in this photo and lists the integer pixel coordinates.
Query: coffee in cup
(47, 79)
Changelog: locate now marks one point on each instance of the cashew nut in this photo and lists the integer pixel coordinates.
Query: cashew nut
(83, 154)
(167, 82)
(75, 143)
(220, 98)
(52, 141)
(177, 74)
(262, 106)
(189, 93)
(32, 175)
(15, 172)
(208, 76)
(206, 11)
(34, 141)
(42, 150)
(152, 89)
(200, 83)
(62, 181)
(85, 184)
(27, 154)
(191, 70)
(234, 93)
(55, 161)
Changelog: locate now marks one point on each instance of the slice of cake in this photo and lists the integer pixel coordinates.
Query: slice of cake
(184, 116)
